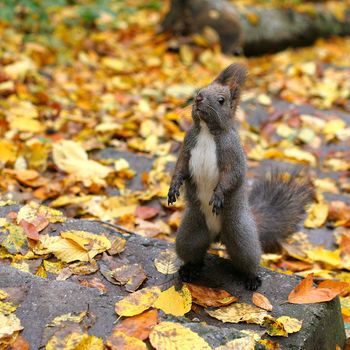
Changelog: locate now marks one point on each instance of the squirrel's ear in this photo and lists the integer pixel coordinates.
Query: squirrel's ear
(235, 74)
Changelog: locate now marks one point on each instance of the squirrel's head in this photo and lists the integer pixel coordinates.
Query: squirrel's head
(216, 103)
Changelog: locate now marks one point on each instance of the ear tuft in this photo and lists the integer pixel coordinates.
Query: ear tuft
(235, 74)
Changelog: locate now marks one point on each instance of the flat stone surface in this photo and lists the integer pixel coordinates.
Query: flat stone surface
(44, 299)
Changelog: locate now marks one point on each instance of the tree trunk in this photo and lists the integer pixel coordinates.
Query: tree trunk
(257, 30)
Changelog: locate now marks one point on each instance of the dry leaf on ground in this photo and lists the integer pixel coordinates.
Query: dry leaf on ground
(137, 302)
(239, 312)
(206, 296)
(174, 336)
(121, 341)
(138, 326)
(173, 302)
(261, 301)
(306, 293)
(167, 262)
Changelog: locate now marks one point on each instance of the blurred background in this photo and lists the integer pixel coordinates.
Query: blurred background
(96, 98)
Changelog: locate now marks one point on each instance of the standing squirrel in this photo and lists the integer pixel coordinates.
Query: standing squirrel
(213, 166)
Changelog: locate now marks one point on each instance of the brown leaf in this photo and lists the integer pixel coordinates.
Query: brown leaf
(130, 275)
(261, 301)
(94, 283)
(145, 213)
(118, 246)
(138, 326)
(30, 230)
(306, 293)
(206, 296)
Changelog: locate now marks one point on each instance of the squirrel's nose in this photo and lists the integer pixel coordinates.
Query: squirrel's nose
(199, 98)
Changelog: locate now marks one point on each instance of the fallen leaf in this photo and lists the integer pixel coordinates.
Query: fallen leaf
(306, 293)
(146, 213)
(20, 344)
(117, 246)
(173, 302)
(167, 262)
(244, 343)
(138, 326)
(174, 336)
(94, 283)
(58, 320)
(269, 344)
(30, 230)
(73, 159)
(206, 296)
(137, 302)
(121, 341)
(317, 215)
(239, 312)
(281, 326)
(261, 301)
(130, 275)
(9, 324)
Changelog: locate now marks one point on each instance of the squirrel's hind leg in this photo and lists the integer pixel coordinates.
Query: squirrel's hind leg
(243, 246)
(192, 243)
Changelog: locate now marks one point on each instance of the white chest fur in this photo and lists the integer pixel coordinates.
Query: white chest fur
(204, 170)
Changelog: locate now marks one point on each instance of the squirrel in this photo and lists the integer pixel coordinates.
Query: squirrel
(219, 206)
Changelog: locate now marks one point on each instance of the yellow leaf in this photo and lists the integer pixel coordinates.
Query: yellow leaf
(26, 124)
(75, 341)
(239, 312)
(274, 327)
(31, 211)
(65, 250)
(3, 294)
(7, 308)
(245, 343)
(121, 341)
(282, 326)
(137, 302)
(317, 215)
(53, 266)
(174, 336)
(264, 100)
(333, 126)
(8, 325)
(329, 257)
(41, 272)
(8, 151)
(173, 302)
(73, 159)
(300, 156)
(291, 325)
(91, 242)
(67, 317)
(167, 262)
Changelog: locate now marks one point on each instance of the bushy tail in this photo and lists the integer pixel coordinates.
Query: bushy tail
(277, 200)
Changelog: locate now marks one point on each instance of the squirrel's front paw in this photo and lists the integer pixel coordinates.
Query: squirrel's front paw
(217, 201)
(173, 194)
(253, 282)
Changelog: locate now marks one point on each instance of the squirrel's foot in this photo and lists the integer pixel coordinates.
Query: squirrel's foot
(190, 272)
(252, 282)
(217, 201)
(174, 190)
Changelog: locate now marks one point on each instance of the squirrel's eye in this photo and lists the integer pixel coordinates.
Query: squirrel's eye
(221, 100)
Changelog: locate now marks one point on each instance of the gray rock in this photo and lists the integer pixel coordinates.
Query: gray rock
(44, 299)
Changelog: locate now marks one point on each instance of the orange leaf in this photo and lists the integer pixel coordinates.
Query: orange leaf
(206, 296)
(20, 344)
(138, 326)
(30, 230)
(306, 293)
(261, 301)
